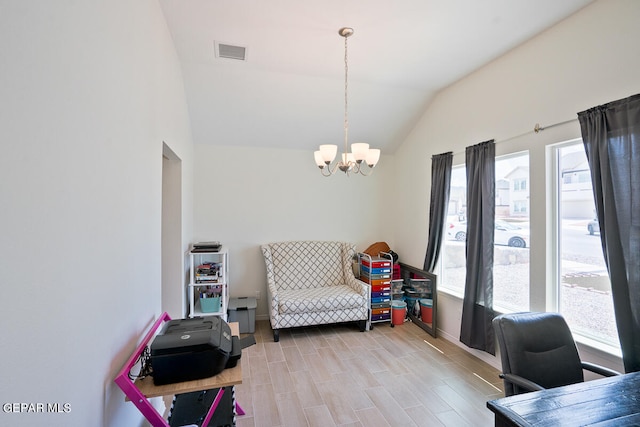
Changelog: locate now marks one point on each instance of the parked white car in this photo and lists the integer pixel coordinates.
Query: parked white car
(505, 233)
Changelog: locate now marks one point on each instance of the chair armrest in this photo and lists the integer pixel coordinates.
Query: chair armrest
(358, 286)
(605, 372)
(273, 291)
(273, 300)
(521, 382)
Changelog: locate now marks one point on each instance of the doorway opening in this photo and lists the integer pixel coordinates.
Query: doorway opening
(173, 295)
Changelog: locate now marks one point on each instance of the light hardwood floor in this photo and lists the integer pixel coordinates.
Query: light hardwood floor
(339, 376)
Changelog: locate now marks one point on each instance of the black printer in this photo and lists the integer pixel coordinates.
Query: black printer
(191, 349)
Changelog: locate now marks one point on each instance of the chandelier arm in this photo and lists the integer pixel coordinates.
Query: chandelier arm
(335, 167)
(368, 168)
(325, 168)
(355, 167)
(362, 169)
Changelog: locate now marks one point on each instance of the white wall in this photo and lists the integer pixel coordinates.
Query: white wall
(245, 197)
(89, 90)
(589, 59)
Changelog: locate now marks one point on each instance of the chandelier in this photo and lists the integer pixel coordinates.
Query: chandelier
(361, 154)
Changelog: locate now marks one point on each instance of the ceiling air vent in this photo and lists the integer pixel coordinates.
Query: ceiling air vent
(231, 52)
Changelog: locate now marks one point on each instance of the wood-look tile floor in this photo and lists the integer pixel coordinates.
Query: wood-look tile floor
(338, 376)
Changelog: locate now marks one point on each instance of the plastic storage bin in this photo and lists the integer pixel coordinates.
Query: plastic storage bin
(243, 311)
(210, 304)
(398, 312)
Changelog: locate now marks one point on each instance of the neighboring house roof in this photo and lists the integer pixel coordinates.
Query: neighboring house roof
(576, 161)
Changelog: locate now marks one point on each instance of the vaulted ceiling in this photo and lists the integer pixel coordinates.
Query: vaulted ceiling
(289, 91)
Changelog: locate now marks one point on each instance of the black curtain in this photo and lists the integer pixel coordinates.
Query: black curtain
(440, 189)
(611, 135)
(477, 308)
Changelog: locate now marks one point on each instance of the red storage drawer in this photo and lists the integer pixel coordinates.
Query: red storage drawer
(381, 288)
(376, 262)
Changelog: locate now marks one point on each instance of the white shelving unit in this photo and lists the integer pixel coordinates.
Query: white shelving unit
(209, 279)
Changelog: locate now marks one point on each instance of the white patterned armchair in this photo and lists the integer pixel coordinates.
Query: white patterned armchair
(312, 283)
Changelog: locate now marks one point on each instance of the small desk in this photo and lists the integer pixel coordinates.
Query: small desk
(139, 391)
(605, 402)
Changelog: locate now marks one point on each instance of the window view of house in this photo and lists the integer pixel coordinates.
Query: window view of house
(511, 235)
(584, 294)
(452, 256)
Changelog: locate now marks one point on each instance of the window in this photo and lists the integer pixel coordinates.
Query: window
(566, 178)
(584, 176)
(511, 236)
(520, 206)
(519, 184)
(584, 288)
(452, 256)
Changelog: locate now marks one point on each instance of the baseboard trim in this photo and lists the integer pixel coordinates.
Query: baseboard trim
(485, 357)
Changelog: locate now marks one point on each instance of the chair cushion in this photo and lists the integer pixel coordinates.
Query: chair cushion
(321, 299)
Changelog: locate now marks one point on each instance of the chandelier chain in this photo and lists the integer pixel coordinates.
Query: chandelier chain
(346, 102)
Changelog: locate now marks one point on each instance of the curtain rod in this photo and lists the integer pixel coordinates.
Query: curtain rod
(537, 129)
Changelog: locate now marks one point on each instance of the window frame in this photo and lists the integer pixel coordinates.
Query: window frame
(542, 202)
(554, 221)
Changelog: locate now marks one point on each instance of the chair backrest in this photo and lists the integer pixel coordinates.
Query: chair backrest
(307, 264)
(538, 347)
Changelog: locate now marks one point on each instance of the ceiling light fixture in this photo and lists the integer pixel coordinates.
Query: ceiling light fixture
(361, 153)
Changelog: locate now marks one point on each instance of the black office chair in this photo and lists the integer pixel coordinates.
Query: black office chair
(538, 352)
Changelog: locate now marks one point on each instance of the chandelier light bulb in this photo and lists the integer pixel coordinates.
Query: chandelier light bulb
(359, 150)
(372, 157)
(317, 155)
(328, 152)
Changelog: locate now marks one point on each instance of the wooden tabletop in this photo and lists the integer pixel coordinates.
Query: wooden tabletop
(611, 401)
(227, 377)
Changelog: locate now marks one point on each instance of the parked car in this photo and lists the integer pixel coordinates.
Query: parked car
(593, 226)
(457, 231)
(505, 233)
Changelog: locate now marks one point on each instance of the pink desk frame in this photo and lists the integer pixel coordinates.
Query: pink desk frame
(140, 400)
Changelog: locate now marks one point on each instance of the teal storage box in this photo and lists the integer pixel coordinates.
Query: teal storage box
(243, 311)
(210, 305)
